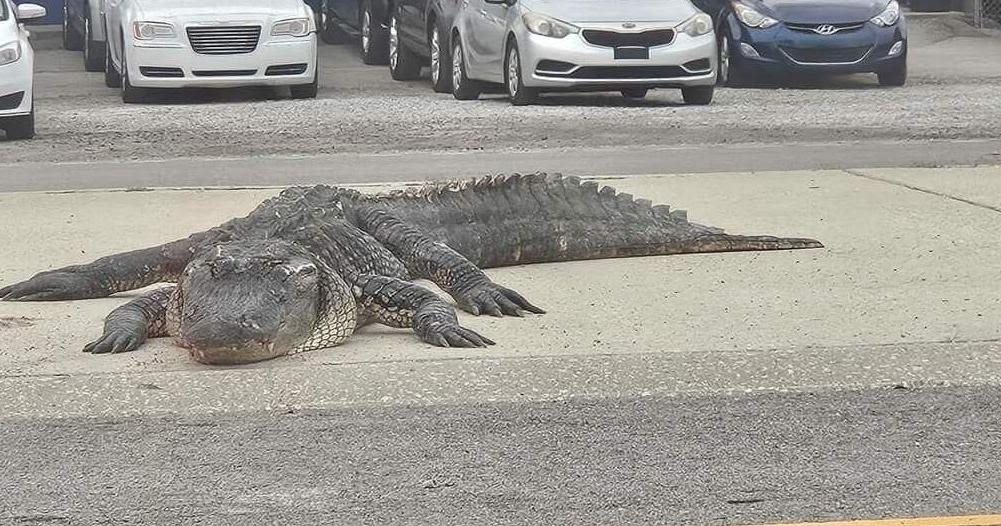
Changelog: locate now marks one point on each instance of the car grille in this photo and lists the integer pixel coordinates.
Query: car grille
(224, 40)
(224, 72)
(816, 28)
(629, 72)
(9, 102)
(826, 55)
(656, 37)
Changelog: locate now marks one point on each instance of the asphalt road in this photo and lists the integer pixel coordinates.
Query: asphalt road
(723, 459)
(682, 436)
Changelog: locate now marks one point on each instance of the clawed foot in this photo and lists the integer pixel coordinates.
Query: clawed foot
(495, 300)
(436, 324)
(51, 286)
(114, 342)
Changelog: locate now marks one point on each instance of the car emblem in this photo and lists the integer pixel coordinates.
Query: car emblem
(826, 29)
(628, 25)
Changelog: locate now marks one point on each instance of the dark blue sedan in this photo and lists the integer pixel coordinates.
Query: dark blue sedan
(771, 37)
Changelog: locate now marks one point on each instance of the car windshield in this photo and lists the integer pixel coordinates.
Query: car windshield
(3, 9)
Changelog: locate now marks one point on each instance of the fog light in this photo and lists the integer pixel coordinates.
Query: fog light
(748, 50)
(896, 49)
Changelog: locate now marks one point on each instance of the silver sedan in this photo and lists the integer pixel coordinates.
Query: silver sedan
(631, 46)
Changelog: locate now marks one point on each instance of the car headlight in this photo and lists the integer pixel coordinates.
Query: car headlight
(752, 18)
(296, 27)
(696, 26)
(889, 16)
(153, 30)
(548, 27)
(10, 53)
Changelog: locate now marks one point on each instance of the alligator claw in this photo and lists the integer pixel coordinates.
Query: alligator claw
(113, 343)
(495, 300)
(50, 286)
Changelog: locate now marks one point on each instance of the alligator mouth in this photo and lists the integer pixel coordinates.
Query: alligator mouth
(235, 355)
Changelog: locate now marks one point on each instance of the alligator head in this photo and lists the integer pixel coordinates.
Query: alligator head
(248, 301)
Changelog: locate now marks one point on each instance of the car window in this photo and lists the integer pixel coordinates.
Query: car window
(3, 10)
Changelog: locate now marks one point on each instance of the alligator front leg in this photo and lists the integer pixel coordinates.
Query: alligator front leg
(107, 275)
(472, 290)
(130, 325)
(402, 304)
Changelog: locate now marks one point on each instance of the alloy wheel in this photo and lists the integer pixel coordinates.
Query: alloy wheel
(394, 44)
(66, 18)
(456, 65)
(86, 39)
(724, 61)
(513, 72)
(323, 16)
(366, 30)
(435, 56)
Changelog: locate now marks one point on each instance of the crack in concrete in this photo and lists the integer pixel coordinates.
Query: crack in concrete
(978, 204)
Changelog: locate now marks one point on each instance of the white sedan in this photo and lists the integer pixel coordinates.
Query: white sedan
(17, 62)
(210, 43)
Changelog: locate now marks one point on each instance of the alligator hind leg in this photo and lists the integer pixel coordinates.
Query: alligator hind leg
(402, 304)
(130, 325)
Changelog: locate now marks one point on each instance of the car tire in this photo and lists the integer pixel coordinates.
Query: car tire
(130, 93)
(329, 31)
(519, 94)
(698, 95)
(895, 75)
(463, 87)
(21, 127)
(307, 91)
(112, 78)
(374, 37)
(634, 93)
(72, 39)
(728, 72)
(403, 63)
(93, 51)
(441, 60)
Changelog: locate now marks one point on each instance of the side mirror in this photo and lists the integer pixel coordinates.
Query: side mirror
(30, 12)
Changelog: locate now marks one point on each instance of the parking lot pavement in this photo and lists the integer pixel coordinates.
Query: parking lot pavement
(953, 94)
(856, 381)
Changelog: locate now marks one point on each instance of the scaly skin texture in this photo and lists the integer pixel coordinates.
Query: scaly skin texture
(305, 269)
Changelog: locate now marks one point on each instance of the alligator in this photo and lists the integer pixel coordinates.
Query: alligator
(310, 266)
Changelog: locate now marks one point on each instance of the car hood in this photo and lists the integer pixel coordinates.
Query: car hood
(231, 8)
(584, 11)
(819, 11)
(8, 30)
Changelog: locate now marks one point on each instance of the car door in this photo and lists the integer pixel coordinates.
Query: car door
(113, 31)
(487, 39)
(346, 11)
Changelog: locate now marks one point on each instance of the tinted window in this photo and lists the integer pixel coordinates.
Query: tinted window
(3, 9)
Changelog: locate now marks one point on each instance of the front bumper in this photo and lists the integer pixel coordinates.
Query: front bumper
(272, 63)
(781, 49)
(686, 61)
(15, 88)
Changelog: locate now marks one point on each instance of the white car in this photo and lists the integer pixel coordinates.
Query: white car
(17, 62)
(210, 43)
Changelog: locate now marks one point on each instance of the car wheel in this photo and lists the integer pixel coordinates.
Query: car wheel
(307, 91)
(463, 88)
(725, 70)
(112, 78)
(634, 93)
(403, 63)
(72, 39)
(22, 127)
(519, 94)
(374, 39)
(93, 51)
(441, 61)
(329, 31)
(698, 95)
(130, 93)
(895, 75)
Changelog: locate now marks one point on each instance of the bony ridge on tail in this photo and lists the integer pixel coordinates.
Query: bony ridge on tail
(307, 268)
